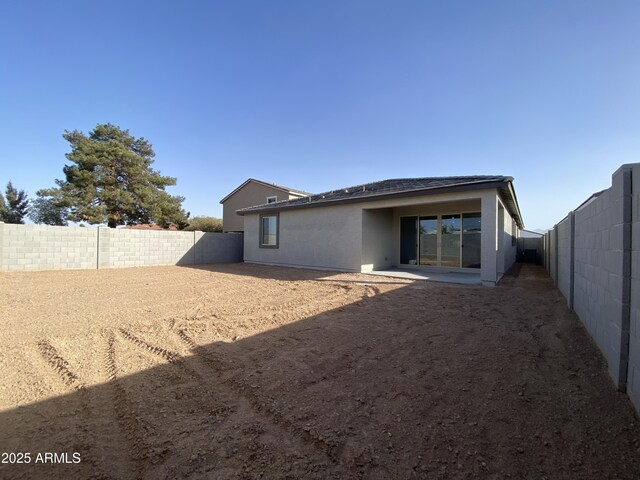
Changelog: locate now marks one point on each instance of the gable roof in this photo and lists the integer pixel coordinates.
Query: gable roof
(266, 184)
(400, 187)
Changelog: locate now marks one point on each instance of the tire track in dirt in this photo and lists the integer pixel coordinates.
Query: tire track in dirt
(133, 448)
(60, 365)
(276, 314)
(177, 360)
(168, 355)
(337, 293)
(238, 387)
(330, 449)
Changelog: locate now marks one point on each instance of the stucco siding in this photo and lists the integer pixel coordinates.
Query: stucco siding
(509, 241)
(329, 237)
(248, 196)
(377, 239)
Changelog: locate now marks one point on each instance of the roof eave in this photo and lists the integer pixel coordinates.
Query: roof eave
(511, 202)
(379, 197)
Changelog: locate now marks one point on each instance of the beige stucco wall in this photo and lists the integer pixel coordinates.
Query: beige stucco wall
(248, 196)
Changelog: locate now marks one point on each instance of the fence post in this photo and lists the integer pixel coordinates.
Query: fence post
(97, 248)
(572, 256)
(627, 224)
(555, 249)
(195, 246)
(1, 245)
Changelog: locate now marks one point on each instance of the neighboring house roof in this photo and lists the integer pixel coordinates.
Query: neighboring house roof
(272, 185)
(150, 226)
(400, 187)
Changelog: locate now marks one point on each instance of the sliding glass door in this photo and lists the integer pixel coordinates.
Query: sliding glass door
(450, 243)
(441, 240)
(428, 241)
(471, 232)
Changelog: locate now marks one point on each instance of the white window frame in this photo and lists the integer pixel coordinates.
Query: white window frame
(272, 199)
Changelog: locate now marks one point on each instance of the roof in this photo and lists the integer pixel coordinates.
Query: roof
(400, 187)
(150, 226)
(272, 185)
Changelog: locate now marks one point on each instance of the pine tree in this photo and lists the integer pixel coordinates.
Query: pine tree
(110, 180)
(47, 210)
(15, 205)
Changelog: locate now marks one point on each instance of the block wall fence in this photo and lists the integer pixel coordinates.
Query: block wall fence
(43, 247)
(593, 256)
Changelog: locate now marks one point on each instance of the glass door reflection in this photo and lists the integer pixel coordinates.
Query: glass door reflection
(450, 243)
(428, 240)
(471, 236)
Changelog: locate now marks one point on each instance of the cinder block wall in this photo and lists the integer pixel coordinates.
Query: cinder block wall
(633, 375)
(134, 248)
(596, 262)
(598, 273)
(42, 247)
(553, 253)
(564, 257)
(218, 248)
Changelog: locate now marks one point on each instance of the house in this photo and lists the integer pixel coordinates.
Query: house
(459, 224)
(530, 234)
(250, 193)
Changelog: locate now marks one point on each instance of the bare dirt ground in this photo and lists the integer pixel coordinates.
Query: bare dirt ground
(242, 371)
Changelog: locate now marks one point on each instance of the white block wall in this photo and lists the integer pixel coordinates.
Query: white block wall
(43, 247)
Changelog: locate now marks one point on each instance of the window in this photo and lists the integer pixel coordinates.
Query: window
(269, 231)
(272, 199)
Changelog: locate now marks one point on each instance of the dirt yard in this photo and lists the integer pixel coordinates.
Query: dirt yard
(242, 371)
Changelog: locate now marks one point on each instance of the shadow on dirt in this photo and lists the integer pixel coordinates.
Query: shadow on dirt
(425, 381)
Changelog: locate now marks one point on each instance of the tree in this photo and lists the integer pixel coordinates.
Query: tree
(205, 224)
(47, 210)
(3, 208)
(110, 180)
(14, 205)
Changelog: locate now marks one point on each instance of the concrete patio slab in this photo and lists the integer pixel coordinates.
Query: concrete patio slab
(464, 278)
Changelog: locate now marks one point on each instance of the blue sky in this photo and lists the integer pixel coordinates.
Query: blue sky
(322, 95)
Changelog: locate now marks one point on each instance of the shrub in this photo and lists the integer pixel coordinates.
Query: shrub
(205, 224)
